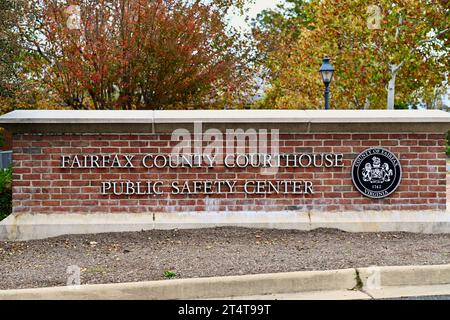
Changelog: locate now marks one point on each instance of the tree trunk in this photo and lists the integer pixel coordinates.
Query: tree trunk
(367, 104)
(391, 89)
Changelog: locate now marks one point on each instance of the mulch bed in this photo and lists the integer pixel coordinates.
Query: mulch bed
(141, 256)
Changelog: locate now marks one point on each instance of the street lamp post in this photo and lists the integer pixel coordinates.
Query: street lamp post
(326, 71)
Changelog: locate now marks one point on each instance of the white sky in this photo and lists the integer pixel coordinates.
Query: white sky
(238, 21)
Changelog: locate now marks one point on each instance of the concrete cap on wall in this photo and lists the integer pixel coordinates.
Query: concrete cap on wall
(156, 121)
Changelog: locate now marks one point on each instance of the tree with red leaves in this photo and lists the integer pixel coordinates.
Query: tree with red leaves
(138, 54)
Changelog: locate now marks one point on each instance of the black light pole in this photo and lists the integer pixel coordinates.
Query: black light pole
(326, 71)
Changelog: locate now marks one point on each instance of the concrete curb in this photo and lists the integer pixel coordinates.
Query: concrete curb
(363, 279)
(377, 277)
(197, 288)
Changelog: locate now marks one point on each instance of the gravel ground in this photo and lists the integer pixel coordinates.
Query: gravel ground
(140, 256)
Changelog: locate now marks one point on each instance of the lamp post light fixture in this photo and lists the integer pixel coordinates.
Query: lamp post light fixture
(326, 71)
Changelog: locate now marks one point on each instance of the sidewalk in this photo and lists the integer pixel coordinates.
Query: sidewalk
(383, 293)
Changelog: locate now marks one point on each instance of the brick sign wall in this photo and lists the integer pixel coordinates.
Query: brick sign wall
(43, 183)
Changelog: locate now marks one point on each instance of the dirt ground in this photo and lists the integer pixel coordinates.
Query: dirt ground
(140, 256)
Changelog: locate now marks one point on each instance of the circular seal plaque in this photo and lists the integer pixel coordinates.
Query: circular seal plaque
(376, 173)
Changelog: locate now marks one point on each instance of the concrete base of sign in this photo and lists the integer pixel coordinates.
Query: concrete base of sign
(38, 226)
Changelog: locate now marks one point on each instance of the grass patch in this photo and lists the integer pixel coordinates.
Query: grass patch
(169, 274)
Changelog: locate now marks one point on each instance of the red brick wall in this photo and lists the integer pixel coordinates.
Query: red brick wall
(42, 186)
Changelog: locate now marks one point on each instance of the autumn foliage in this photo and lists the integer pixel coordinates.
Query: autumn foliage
(411, 35)
(138, 54)
(183, 54)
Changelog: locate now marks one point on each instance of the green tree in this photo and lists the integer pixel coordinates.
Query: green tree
(10, 53)
(20, 87)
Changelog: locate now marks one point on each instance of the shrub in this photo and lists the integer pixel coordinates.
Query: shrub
(5, 192)
(447, 143)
